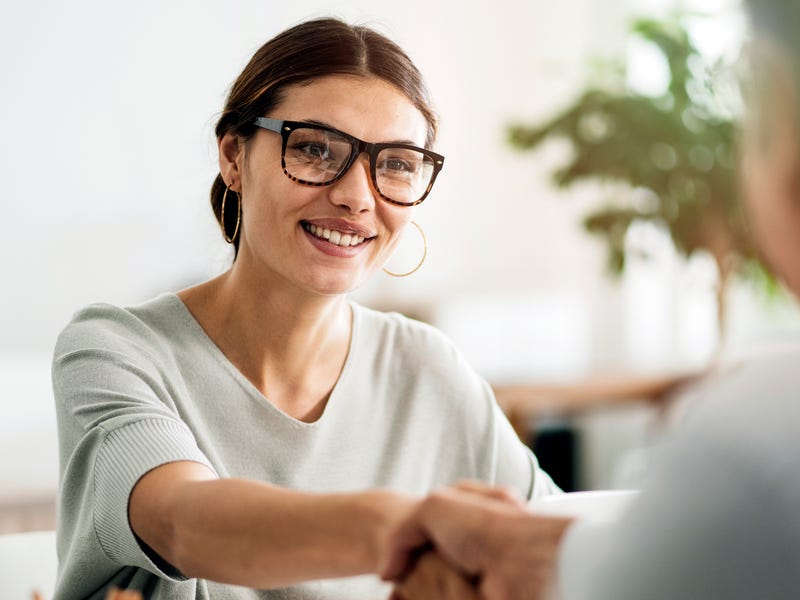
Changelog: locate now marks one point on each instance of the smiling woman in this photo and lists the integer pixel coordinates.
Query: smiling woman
(328, 180)
(260, 430)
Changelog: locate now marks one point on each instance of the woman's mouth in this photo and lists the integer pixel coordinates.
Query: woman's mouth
(333, 236)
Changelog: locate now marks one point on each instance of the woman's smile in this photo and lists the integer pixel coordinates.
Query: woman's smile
(337, 237)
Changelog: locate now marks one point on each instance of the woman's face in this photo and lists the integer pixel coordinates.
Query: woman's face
(279, 214)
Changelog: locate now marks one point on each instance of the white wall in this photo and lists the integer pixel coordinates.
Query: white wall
(108, 110)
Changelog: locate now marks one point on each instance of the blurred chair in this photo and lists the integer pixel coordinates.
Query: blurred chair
(28, 564)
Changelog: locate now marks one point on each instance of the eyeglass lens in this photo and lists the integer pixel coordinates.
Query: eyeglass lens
(319, 156)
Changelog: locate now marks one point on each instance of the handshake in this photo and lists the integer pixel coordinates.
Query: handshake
(472, 541)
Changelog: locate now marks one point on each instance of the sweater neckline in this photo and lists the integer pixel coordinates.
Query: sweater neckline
(338, 389)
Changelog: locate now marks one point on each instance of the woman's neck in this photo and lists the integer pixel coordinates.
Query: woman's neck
(291, 346)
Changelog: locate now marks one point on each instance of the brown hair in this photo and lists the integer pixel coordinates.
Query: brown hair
(312, 49)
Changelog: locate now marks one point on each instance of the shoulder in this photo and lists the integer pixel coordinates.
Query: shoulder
(721, 491)
(106, 327)
(399, 334)
(740, 432)
(390, 337)
(756, 399)
(411, 359)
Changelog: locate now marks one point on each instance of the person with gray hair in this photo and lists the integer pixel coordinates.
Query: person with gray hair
(717, 518)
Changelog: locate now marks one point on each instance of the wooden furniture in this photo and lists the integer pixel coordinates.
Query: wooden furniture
(525, 403)
(28, 513)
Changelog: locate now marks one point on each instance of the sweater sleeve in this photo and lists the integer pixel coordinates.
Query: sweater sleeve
(514, 457)
(513, 464)
(436, 395)
(116, 422)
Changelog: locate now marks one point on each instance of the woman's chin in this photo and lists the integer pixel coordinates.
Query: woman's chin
(330, 285)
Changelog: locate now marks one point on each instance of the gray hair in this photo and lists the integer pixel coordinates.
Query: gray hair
(772, 81)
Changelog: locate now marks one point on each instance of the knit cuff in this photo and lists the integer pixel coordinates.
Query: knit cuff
(125, 456)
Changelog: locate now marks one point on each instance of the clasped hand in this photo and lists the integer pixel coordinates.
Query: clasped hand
(472, 541)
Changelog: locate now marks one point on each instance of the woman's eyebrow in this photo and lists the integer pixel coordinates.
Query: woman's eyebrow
(317, 122)
(329, 126)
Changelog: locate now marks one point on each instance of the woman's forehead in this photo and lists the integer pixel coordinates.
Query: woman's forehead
(366, 107)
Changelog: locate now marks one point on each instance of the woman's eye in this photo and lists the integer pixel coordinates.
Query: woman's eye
(397, 165)
(313, 150)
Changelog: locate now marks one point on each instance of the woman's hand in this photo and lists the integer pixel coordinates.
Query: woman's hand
(489, 537)
(112, 594)
(117, 594)
(433, 579)
(449, 519)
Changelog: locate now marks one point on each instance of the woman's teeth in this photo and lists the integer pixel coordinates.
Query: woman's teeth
(333, 236)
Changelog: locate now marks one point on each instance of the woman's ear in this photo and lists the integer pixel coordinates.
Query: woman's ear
(231, 155)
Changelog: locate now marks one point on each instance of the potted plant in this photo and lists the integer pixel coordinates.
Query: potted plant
(674, 152)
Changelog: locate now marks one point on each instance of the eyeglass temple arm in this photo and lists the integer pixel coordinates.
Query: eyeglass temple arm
(271, 124)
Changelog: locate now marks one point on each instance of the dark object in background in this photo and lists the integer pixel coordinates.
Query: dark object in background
(556, 447)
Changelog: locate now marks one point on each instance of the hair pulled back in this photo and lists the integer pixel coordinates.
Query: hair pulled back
(308, 51)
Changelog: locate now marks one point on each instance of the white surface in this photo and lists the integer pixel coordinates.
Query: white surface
(28, 562)
(596, 505)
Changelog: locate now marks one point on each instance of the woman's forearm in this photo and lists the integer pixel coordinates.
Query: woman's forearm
(256, 535)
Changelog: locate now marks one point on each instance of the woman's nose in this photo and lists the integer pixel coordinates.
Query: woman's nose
(354, 190)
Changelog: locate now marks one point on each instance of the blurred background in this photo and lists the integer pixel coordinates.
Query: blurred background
(108, 115)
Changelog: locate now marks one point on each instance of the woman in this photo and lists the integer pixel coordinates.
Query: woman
(718, 515)
(259, 429)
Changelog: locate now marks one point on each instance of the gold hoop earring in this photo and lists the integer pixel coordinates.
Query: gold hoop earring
(422, 260)
(232, 238)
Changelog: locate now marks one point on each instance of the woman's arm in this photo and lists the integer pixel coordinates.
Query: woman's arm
(256, 535)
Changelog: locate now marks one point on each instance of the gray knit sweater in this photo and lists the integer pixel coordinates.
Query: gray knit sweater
(139, 387)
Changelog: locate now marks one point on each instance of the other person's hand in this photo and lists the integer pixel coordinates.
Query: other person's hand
(509, 552)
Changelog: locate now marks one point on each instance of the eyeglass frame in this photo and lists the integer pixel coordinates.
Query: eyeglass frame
(372, 150)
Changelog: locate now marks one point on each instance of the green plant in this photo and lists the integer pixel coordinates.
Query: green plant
(675, 153)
